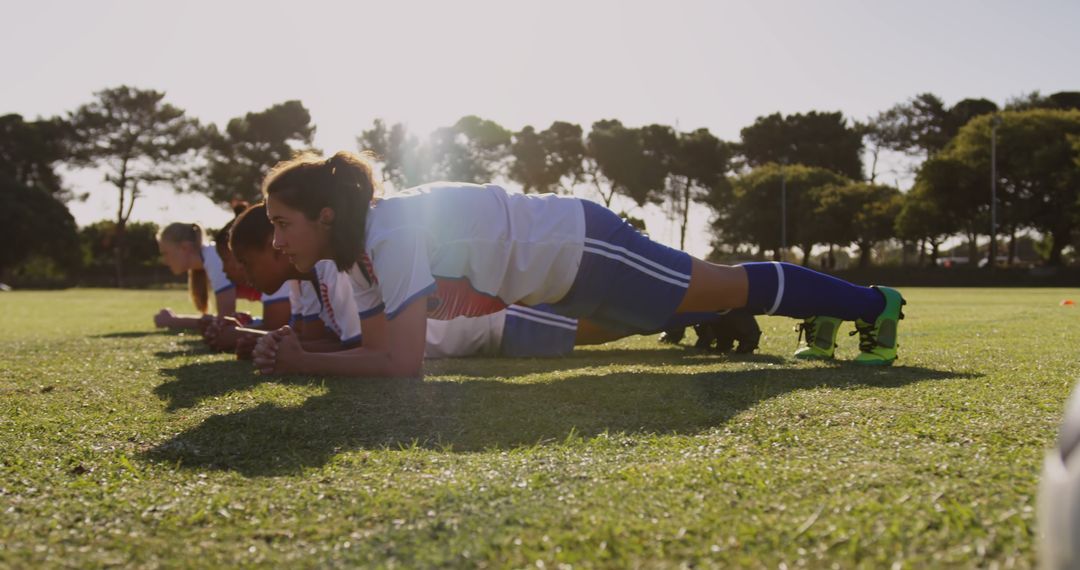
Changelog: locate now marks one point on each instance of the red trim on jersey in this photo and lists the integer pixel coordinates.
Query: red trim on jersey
(457, 298)
(324, 292)
(366, 261)
(249, 293)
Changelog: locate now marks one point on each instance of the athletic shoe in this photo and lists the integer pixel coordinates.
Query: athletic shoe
(673, 336)
(820, 338)
(877, 340)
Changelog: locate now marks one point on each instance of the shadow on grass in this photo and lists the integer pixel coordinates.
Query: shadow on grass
(132, 334)
(445, 412)
(195, 382)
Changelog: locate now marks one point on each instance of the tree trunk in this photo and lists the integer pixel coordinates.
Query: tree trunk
(934, 253)
(1012, 246)
(921, 246)
(685, 214)
(1058, 238)
(807, 248)
(864, 254)
(119, 247)
(973, 249)
(121, 223)
(873, 165)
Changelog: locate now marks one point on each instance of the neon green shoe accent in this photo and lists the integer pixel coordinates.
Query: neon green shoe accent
(820, 338)
(877, 340)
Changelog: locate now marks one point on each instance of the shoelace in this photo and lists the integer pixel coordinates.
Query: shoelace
(809, 328)
(867, 337)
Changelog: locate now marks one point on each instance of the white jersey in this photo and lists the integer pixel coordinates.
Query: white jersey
(215, 269)
(474, 249)
(303, 301)
(282, 294)
(337, 305)
(465, 336)
(462, 336)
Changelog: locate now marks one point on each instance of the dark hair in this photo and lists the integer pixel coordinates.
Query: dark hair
(198, 282)
(343, 183)
(251, 230)
(221, 237)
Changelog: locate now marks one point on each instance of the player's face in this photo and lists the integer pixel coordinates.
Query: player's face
(264, 268)
(233, 270)
(302, 240)
(175, 255)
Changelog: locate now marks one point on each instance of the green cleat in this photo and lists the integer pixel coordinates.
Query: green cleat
(820, 338)
(877, 340)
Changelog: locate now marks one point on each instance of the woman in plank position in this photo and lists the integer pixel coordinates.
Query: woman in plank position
(451, 249)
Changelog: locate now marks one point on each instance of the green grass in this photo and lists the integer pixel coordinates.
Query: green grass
(122, 445)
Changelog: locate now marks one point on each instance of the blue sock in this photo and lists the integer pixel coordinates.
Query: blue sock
(778, 288)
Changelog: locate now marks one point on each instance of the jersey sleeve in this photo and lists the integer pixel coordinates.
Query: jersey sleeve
(309, 307)
(279, 296)
(295, 294)
(338, 305)
(366, 293)
(215, 270)
(402, 269)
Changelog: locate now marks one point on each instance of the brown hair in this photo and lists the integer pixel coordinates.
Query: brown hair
(198, 282)
(251, 230)
(221, 237)
(343, 183)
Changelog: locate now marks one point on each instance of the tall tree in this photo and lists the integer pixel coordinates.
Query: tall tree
(472, 150)
(697, 170)
(958, 194)
(138, 140)
(1037, 166)
(819, 139)
(917, 127)
(964, 111)
(240, 157)
(921, 220)
(529, 167)
(564, 144)
(30, 150)
(858, 213)
(404, 162)
(632, 162)
(1062, 100)
(753, 212)
(549, 160)
(34, 222)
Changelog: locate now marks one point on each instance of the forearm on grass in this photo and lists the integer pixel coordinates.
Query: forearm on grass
(358, 362)
(391, 349)
(327, 344)
(185, 322)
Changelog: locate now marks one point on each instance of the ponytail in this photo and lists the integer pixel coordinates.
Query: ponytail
(343, 183)
(199, 287)
(198, 283)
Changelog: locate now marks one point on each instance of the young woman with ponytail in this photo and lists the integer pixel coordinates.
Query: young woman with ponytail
(451, 249)
(184, 248)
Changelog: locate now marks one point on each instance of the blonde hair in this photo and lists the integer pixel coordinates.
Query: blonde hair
(198, 282)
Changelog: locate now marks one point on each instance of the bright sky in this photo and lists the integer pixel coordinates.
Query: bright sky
(715, 64)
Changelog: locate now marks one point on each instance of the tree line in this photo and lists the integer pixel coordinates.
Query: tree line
(804, 181)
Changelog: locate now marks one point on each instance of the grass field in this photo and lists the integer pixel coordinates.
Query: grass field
(124, 446)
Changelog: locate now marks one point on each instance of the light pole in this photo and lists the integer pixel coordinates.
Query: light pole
(783, 209)
(994, 122)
